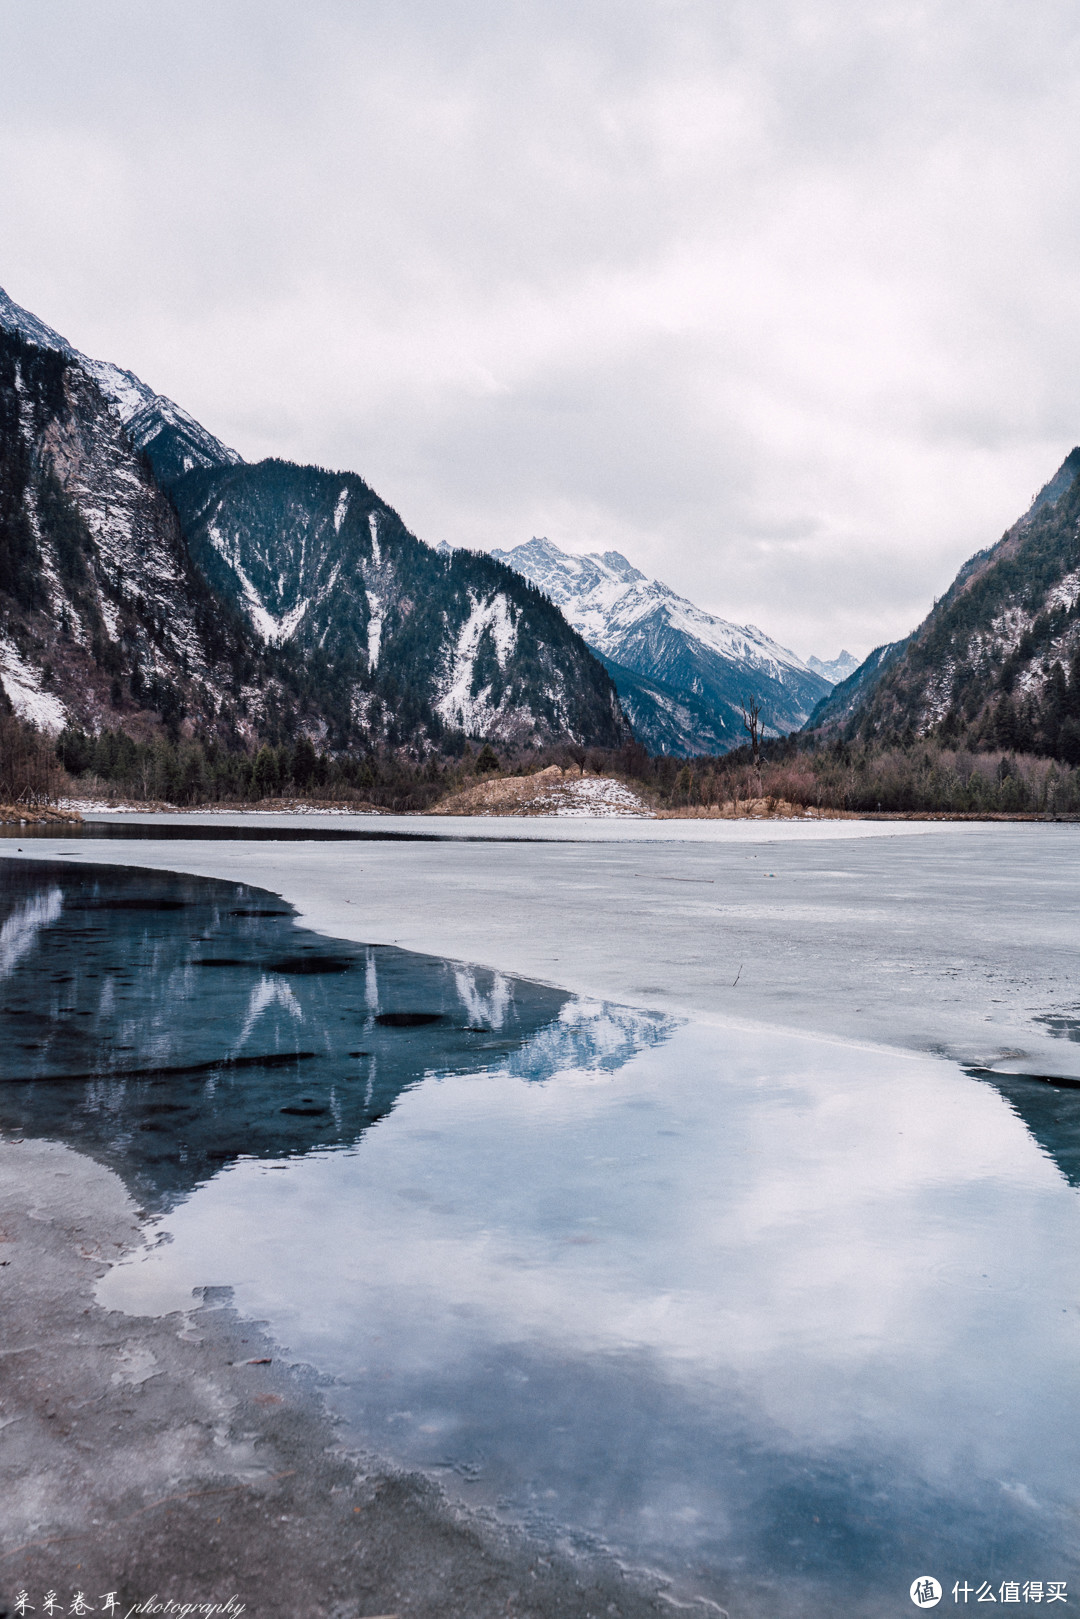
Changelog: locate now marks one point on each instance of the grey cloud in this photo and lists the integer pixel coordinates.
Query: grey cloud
(778, 299)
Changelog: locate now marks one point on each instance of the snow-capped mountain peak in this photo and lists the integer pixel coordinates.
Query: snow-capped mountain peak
(647, 629)
(174, 441)
(604, 596)
(565, 577)
(835, 669)
(242, 602)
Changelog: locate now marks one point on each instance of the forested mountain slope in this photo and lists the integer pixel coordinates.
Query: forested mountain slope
(997, 660)
(103, 615)
(408, 638)
(151, 581)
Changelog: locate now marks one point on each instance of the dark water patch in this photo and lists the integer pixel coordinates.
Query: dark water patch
(167, 1073)
(1058, 1081)
(201, 832)
(313, 963)
(215, 1065)
(138, 902)
(225, 832)
(1049, 1107)
(1065, 1028)
(409, 1020)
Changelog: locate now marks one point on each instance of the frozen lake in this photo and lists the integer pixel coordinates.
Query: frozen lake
(780, 1294)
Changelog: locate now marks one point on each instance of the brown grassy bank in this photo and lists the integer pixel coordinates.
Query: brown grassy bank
(23, 815)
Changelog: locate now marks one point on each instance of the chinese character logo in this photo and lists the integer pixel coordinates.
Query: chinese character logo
(925, 1591)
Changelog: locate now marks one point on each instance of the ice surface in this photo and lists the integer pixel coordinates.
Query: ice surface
(958, 938)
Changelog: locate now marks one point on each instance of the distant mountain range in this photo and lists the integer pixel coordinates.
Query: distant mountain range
(835, 671)
(996, 663)
(150, 579)
(681, 673)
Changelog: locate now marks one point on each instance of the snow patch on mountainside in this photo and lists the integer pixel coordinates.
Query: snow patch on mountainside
(374, 629)
(340, 509)
(599, 798)
(1065, 592)
(273, 630)
(503, 629)
(1009, 626)
(127, 393)
(24, 689)
(376, 551)
(458, 705)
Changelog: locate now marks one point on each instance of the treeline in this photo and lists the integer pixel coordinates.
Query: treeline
(927, 777)
(188, 773)
(868, 778)
(30, 772)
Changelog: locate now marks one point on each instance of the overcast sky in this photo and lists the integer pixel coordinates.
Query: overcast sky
(778, 297)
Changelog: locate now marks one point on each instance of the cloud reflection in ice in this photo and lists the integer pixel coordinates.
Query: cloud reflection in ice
(771, 1260)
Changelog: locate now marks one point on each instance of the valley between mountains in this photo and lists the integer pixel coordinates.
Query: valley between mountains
(150, 578)
(283, 625)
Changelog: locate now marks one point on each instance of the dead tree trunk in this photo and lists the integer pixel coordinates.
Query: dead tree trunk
(751, 718)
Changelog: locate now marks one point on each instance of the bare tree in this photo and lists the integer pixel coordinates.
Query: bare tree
(752, 725)
(30, 772)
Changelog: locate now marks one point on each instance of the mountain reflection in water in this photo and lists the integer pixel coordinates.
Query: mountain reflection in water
(172, 1024)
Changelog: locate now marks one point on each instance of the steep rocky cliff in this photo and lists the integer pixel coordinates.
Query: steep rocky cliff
(997, 660)
(103, 615)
